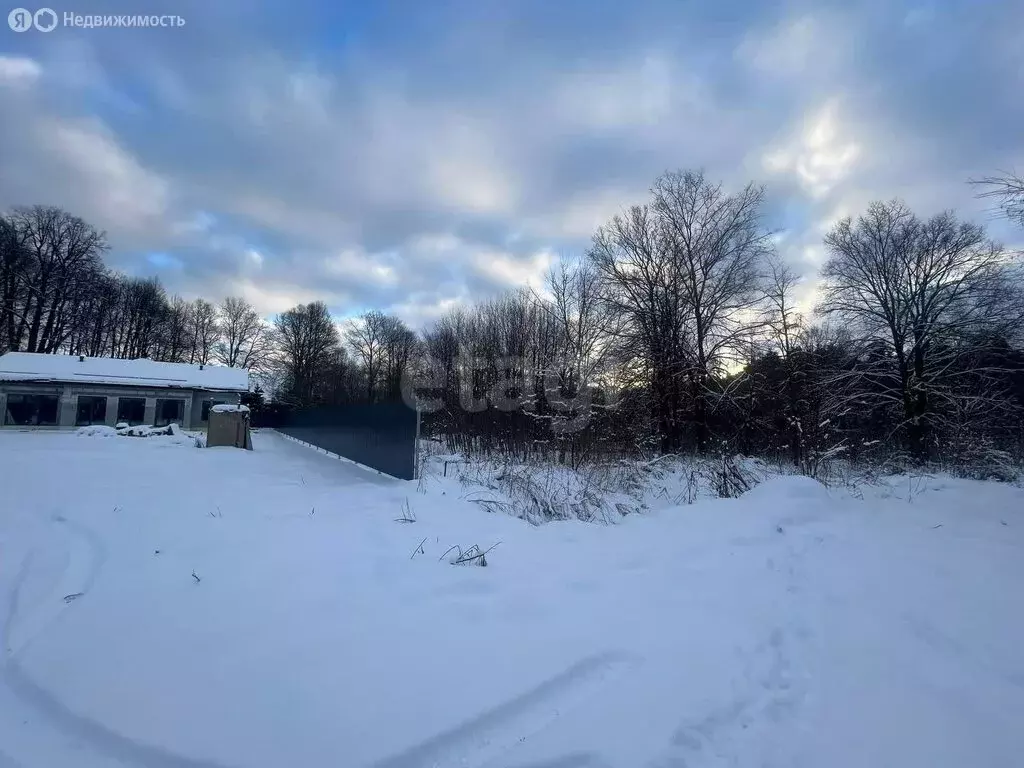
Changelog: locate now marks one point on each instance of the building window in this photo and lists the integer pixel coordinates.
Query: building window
(31, 410)
(92, 409)
(207, 407)
(131, 410)
(169, 412)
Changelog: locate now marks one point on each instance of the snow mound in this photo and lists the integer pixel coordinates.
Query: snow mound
(225, 408)
(142, 430)
(788, 488)
(96, 430)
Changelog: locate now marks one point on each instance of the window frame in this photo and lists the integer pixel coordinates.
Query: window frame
(37, 397)
(128, 421)
(158, 417)
(97, 400)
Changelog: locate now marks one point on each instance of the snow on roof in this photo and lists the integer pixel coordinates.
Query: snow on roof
(31, 366)
(225, 408)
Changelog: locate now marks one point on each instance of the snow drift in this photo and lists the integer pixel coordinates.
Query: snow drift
(277, 607)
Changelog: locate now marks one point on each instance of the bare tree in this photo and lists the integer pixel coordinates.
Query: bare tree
(583, 321)
(783, 321)
(633, 255)
(584, 326)
(402, 344)
(718, 244)
(1008, 190)
(307, 347)
(204, 331)
(15, 270)
(685, 274)
(367, 336)
(50, 260)
(384, 345)
(176, 333)
(138, 317)
(94, 332)
(441, 345)
(785, 325)
(924, 288)
(243, 341)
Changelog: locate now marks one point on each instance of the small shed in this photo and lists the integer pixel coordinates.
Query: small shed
(229, 425)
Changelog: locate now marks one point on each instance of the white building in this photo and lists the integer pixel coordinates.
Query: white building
(61, 391)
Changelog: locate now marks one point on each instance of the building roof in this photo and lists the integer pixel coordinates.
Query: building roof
(31, 366)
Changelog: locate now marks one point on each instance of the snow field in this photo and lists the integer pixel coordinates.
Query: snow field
(172, 606)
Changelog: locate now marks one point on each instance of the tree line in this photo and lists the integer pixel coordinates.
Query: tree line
(677, 331)
(58, 296)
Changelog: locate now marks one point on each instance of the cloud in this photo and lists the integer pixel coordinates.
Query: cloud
(124, 194)
(272, 299)
(819, 155)
(410, 161)
(354, 265)
(503, 269)
(75, 162)
(634, 95)
(18, 71)
(787, 49)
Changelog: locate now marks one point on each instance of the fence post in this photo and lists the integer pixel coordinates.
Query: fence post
(416, 447)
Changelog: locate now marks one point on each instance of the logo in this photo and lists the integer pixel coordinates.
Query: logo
(45, 19)
(22, 19)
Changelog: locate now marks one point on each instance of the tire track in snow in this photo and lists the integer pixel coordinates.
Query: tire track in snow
(84, 732)
(772, 698)
(85, 557)
(775, 685)
(952, 651)
(33, 717)
(481, 742)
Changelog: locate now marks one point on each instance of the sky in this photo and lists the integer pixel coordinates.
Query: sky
(412, 156)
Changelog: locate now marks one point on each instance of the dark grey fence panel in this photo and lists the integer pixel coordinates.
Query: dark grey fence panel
(381, 436)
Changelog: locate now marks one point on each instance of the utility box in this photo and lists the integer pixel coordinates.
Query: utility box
(229, 425)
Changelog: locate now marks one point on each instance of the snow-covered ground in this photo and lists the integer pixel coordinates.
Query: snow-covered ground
(165, 605)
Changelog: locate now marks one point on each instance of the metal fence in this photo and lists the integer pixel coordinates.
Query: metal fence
(382, 436)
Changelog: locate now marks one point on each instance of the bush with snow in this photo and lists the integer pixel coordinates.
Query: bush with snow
(143, 430)
(603, 493)
(979, 458)
(173, 431)
(540, 493)
(733, 476)
(96, 430)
